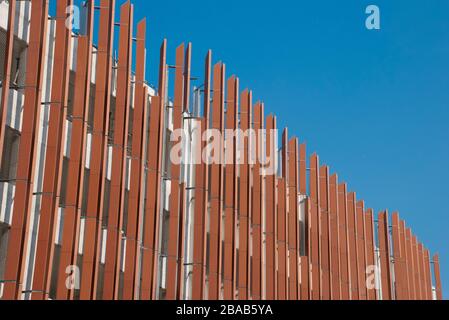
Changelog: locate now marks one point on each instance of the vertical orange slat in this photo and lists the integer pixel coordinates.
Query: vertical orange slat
(256, 276)
(137, 169)
(370, 252)
(352, 237)
(175, 212)
(281, 240)
(384, 249)
(360, 242)
(293, 222)
(119, 154)
(150, 254)
(410, 264)
(230, 209)
(245, 197)
(428, 275)
(304, 265)
(397, 258)
(343, 241)
(7, 63)
(302, 169)
(314, 229)
(181, 244)
(416, 265)
(201, 199)
(404, 260)
(284, 166)
(16, 249)
(325, 232)
(422, 271)
(153, 179)
(334, 238)
(270, 213)
(75, 179)
(54, 152)
(436, 271)
(103, 92)
(216, 194)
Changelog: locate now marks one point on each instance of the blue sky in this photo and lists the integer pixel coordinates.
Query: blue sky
(373, 104)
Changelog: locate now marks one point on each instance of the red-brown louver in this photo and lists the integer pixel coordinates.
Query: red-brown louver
(256, 223)
(6, 80)
(334, 238)
(314, 229)
(139, 141)
(230, 192)
(245, 196)
(271, 214)
(176, 212)
(55, 143)
(98, 159)
(343, 241)
(360, 242)
(216, 192)
(324, 233)
(16, 251)
(384, 250)
(119, 154)
(201, 197)
(370, 272)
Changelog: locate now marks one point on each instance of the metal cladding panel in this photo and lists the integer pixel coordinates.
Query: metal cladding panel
(334, 239)
(181, 244)
(16, 250)
(245, 198)
(384, 249)
(397, 258)
(54, 153)
(404, 261)
(314, 229)
(175, 210)
(152, 182)
(6, 77)
(119, 154)
(304, 266)
(302, 169)
(361, 257)
(131, 278)
(370, 253)
(422, 278)
(256, 223)
(352, 225)
(150, 255)
(199, 226)
(103, 92)
(285, 177)
(428, 274)
(293, 221)
(230, 198)
(216, 192)
(410, 264)
(324, 233)
(75, 179)
(282, 280)
(343, 241)
(436, 271)
(416, 265)
(271, 215)
(201, 199)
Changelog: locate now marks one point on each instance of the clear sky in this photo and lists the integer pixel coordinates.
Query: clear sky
(373, 104)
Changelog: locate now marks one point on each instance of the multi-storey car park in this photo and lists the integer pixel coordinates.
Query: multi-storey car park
(92, 207)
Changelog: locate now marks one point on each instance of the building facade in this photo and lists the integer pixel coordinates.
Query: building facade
(113, 189)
